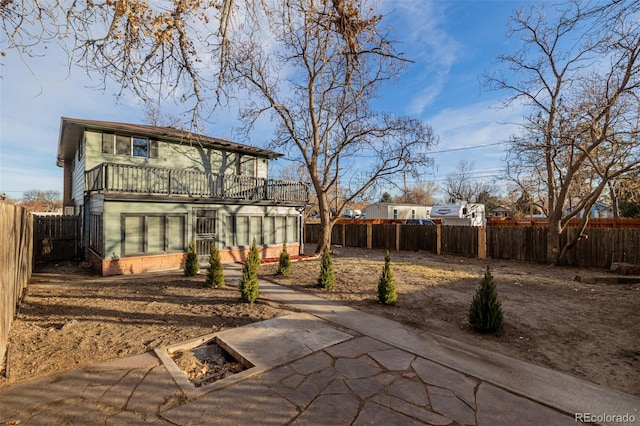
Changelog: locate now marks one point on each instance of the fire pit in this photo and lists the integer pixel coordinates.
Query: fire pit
(206, 363)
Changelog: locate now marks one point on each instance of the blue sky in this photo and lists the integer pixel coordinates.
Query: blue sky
(451, 43)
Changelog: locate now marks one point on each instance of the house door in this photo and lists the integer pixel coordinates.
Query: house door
(205, 233)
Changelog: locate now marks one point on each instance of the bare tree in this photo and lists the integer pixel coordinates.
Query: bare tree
(462, 186)
(174, 51)
(41, 200)
(578, 70)
(316, 77)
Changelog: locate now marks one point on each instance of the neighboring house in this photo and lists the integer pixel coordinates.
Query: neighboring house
(396, 211)
(462, 213)
(598, 211)
(500, 211)
(144, 192)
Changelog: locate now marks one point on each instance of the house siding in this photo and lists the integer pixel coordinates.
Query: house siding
(114, 210)
(181, 156)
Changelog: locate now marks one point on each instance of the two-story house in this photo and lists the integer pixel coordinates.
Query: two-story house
(144, 192)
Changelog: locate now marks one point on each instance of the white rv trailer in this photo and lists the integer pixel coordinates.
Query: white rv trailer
(463, 213)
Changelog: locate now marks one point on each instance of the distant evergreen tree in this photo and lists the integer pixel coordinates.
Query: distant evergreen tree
(284, 266)
(327, 277)
(249, 289)
(485, 312)
(386, 286)
(191, 266)
(215, 276)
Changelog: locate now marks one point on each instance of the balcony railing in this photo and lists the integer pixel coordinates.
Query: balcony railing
(122, 178)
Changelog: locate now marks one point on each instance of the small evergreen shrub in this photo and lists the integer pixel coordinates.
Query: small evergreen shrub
(485, 312)
(327, 277)
(386, 286)
(191, 266)
(284, 266)
(249, 289)
(215, 276)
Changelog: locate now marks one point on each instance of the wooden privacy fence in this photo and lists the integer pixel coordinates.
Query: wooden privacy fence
(56, 237)
(16, 254)
(599, 248)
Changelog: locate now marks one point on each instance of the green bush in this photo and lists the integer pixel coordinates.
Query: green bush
(284, 266)
(215, 276)
(485, 312)
(191, 266)
(327, 277)
(386, 286)
(249, 289)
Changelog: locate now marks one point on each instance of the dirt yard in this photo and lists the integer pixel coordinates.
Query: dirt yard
(70, 318)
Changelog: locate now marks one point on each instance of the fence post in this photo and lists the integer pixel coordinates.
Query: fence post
(438, 239)
(397, 236)
(344, 233)
(369, 235)
(482, 242)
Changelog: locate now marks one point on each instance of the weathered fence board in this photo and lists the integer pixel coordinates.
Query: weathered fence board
(517, 243)
(56, 237)
(383, 236)
(16, 260)
(599, 249)
(459, 240)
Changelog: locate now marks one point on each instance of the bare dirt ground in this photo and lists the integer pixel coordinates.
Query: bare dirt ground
(70, 319)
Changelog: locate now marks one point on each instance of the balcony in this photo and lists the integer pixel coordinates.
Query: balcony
(127, 179)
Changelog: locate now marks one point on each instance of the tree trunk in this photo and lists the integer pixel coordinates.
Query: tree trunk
(553, 240)
(326, 223)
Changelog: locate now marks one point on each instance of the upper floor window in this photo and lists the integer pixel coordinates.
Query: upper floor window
(135, 146)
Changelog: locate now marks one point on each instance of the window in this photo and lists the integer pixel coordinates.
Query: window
(154, 233)
(140, 147)
(107, 143)
(255, 226)
(269, 230)
(280, 229)
(413, 214)
(247, 166)
(242, 231)
(395, 213)
(292, 229)
(135, 146)
(123, 145)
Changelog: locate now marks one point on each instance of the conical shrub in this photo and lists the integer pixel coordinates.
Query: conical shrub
(215, 276)
(249, 289)
(386, 286)
(327, 277)
(485, 312)
(191, 266)
(284, 265)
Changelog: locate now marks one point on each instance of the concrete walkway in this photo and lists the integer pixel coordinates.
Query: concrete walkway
(330, 364)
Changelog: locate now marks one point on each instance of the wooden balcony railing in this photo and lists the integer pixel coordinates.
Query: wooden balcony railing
(122, 178)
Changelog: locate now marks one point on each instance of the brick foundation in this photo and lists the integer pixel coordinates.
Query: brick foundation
(139, 264)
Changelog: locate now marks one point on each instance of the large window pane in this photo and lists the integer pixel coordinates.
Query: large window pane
(141, 147)
(107, 143)
(256, 229)
(242, 231)
(133, 234)
(123, 145)
(228, 234)
(280, 230)
(269, 230)
(176, 233)
(155, 234)
(292, 229)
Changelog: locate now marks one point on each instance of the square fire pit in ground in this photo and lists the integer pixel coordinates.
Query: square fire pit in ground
(257, 347)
